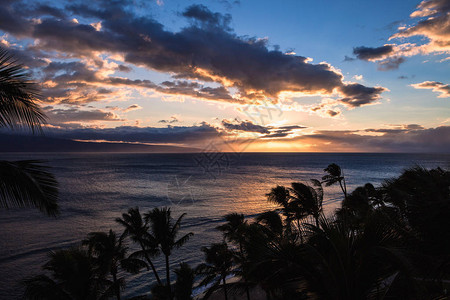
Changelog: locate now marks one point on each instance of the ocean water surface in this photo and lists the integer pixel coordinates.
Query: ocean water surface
(96, 188)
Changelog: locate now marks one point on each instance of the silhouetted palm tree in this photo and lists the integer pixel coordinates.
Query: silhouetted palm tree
(73, 277)
(23, 183)
(109, 255)
(185, 281)
(339, 262)
(137, 229)
(299, 201)
(335, 175)
(234, 231)
(218, 265)
(164, 231)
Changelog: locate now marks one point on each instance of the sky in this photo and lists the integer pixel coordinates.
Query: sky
(272, 76)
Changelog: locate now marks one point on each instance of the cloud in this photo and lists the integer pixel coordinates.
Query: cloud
(433, 25)
(132, 107)
(282, 132)
(207, 18)
(357, 94)
(404, 141)
(384, 55)
(391, 63)
(396, 138)
(244, 126)
(173, 119)
(435, 86)
(76, 115)
(368, 53)
(207, 51)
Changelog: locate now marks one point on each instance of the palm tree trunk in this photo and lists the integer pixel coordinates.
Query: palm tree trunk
(225, 287)
(299, 231)
(344, 190)
(116, 285)
(150, 263)
(168, 277)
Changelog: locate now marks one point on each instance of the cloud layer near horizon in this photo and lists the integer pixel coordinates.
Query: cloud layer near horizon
(394, 138)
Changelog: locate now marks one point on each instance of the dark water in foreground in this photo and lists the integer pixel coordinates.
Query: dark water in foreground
(97, 188)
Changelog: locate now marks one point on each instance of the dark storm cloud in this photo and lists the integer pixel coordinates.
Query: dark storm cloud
(207, 50)
(368, 53)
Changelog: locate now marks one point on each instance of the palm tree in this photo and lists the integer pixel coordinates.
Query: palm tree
(335, 175)
(234, 231)
(109, 255)
(137, 229)
(165, 234)
(218, 265)
(23, 183)
(339, 262)
(73, 277)
(299, 201)
(185, 280)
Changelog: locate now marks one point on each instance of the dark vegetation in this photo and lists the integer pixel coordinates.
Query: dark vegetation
(26, 183)
(387, 242)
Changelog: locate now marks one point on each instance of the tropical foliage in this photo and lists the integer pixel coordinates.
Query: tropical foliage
(23, 183)
(387, 242)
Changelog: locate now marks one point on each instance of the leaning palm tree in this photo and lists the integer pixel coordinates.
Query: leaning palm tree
(23, 183)
(164, 231)
(137, 229)
(335, 175)
(109, 254)
(218, 265)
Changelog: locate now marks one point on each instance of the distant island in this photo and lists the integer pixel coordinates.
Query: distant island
(28, 143)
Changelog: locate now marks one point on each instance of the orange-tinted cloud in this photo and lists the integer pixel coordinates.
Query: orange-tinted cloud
(435, 86)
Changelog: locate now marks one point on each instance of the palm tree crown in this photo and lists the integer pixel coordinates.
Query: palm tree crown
(23, 183)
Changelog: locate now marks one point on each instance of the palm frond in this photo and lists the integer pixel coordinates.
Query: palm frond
(17, 96)
(27, 183)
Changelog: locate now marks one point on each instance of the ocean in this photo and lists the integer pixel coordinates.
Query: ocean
(96, 188)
